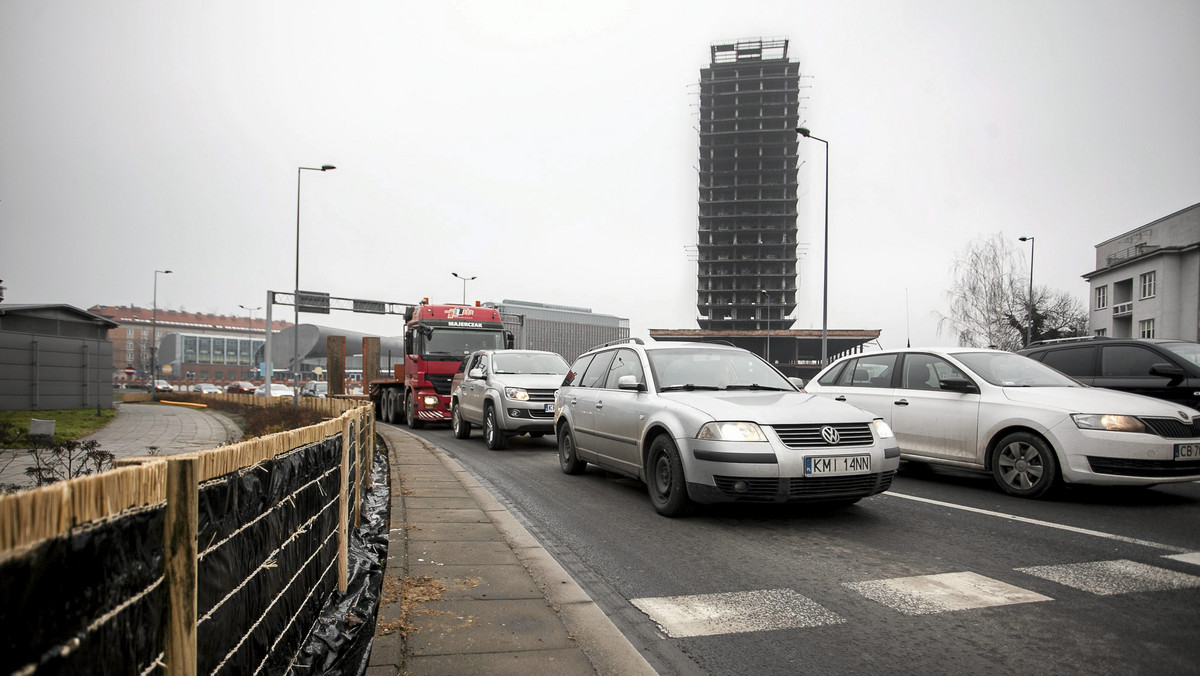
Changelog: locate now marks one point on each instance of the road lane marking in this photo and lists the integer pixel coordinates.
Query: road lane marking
(930, 594)
(734, 612)
(1190, 557)
(1048, 524)
(1109, 578)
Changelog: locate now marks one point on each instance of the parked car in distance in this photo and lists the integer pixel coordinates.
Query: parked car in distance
(275, 390)
(1164, 369)
(1029, 425)
(206, 388)
(315, 388)
(161, 386)
(705, 423)
(240, 387)
(506, 392)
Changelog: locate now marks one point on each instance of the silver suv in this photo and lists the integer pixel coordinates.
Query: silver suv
(703, 423)
(506, 392)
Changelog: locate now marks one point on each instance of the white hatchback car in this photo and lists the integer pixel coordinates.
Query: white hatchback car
(1028, 424)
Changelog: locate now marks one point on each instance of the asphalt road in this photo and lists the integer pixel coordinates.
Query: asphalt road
(943, 574)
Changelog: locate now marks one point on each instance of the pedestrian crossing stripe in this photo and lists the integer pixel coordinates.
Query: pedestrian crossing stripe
(1108, 578)
(1191, 557)
(945, 592)
(734, 612)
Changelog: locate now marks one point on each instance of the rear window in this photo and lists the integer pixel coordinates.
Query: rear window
(597, 371)
(1128, 361)
(577, 370)
(831, 376)
(871, 371)
(1073, 361)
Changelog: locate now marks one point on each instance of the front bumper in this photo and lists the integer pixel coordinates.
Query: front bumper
(1121, 458)
(521, 417)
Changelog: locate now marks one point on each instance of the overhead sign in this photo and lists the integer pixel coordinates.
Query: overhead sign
(312, 301)
(374, 307)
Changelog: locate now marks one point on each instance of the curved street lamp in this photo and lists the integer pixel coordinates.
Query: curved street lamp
(803, 131)
(296, 297)
(250, 330)
(464, 281)
(154, 333)
(1029, 329)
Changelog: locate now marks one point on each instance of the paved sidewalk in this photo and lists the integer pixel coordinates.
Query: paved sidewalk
(481, 595)
(138, 427)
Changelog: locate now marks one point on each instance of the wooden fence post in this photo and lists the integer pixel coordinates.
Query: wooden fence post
(180, 563)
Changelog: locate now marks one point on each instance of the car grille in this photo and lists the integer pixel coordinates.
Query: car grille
(544, 396)
(1172, 428)
(806, 488)
(440, 382)
(809, 436)
(1144, 468)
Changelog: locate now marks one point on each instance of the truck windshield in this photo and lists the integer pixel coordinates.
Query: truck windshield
(453, 344)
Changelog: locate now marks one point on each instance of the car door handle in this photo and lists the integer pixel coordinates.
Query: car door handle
(902, 402)
(840, 397)
(599, 405)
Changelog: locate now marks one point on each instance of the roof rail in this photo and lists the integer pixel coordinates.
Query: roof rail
(619, 341)
(1074, 339)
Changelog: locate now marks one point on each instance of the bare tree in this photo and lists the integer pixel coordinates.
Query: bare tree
(989, 300)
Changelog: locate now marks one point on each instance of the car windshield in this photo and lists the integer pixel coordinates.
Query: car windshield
(454, 344)
(529, 362)
(1013, 370)
(713, 369)
(1189, 351)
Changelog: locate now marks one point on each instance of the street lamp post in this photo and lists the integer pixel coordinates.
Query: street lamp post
(296, 297)
(250, 331)
(464, 281)
(154, 333)
(825, 265)
(1029, 329)
(768, 317)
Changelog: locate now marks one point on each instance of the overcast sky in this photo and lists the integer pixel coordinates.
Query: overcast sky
(549, 148)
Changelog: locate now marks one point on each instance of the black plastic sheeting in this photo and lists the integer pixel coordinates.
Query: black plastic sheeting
(340, 642)
(51, 595)
(268, 558)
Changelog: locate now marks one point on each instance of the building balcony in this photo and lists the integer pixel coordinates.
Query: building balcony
(1122, 309)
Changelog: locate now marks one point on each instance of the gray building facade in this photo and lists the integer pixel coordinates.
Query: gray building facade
(569, 331)
(1147, 281)
(54, 357)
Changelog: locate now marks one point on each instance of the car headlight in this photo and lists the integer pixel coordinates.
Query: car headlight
(1112, 423)
(516, 393)
(431, 400)
(882, 429)
(731, 431)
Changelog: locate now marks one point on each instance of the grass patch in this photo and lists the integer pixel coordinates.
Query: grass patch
(257, 421)
(69, 424)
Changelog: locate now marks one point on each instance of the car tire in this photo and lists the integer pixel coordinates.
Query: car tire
(665, 480)
(462, 428)
(568, 458)
(492, 434)
(410, 413)
(1025, 466)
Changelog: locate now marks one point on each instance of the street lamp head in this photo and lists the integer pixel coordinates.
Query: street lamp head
(1025, 239)
(803, 131)
(327, 167)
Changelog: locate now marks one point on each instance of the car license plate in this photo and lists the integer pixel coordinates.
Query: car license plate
(1187, 451)
(838, 464)
(549, 408)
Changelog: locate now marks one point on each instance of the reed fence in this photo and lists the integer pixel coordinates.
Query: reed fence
(211, 562)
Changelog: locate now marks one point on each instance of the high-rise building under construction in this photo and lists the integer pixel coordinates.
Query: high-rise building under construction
(747, 261)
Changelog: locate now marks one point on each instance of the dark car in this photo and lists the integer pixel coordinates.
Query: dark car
(1164, 369)
(240, 387)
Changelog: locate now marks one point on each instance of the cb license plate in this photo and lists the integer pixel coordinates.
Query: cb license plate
(1187, 451)
(836, 465)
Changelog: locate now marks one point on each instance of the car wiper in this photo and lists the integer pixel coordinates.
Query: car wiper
(689, 387)
(755, 386)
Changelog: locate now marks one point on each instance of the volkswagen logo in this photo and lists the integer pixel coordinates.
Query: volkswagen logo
(830, 435)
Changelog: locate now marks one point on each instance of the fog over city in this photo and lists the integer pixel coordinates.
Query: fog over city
(550, 149)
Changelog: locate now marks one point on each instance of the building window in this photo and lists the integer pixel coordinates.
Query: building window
(1101, 297)
(1149, 284)
(1101, 332)
(1146, 328)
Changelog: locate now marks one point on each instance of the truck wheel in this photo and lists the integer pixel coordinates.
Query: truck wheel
(462, 428)
(410, 413)
(389, 406)
(492, 434)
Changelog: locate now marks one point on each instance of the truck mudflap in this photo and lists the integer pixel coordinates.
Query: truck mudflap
(432, 415)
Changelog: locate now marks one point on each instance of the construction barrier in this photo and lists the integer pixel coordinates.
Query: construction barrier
(214, 562)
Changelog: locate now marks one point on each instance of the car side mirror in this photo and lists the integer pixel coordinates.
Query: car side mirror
(798, 383)
(958, 385)
(1171, 371)
(630, 383)
(475, 373)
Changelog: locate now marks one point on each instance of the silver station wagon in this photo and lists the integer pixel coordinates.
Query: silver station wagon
(703, 423)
